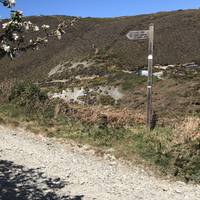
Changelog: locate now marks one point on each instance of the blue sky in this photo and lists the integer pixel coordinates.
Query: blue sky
(99, 8)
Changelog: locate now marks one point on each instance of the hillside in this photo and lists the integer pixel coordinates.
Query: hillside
(176, 41)
(96, 57)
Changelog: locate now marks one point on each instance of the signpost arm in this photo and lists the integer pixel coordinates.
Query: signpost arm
(149, 83)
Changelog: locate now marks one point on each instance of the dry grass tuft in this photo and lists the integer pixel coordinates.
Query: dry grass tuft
(188, 130)
(5, 89)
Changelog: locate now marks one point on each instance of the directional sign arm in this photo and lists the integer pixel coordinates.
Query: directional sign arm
(138, 35)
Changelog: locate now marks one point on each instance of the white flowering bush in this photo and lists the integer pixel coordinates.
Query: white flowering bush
(8, 3)
(12, 38)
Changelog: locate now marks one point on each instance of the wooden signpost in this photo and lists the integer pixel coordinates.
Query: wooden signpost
(142, 35)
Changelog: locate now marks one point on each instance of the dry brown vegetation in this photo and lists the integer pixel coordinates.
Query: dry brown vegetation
(187, 130)
(115, 117)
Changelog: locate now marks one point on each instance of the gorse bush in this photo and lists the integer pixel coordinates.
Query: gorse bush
(27, 94)
(31, 100)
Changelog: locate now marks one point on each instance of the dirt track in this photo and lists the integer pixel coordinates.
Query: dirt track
(34, 167)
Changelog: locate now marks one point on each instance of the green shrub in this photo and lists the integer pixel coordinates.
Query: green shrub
(28, 97)
(27, 94)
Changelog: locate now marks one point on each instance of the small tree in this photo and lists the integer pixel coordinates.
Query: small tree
(13, 40)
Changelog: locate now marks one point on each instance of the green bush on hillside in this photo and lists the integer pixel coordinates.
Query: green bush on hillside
(29, 98)
(27, 94)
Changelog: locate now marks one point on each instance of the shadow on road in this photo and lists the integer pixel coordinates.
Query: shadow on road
(19, 183)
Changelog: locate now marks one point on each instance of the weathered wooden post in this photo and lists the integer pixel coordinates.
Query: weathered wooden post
(142, 35)
(150, 81)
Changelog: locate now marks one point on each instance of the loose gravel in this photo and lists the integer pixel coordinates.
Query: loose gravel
(86, 175)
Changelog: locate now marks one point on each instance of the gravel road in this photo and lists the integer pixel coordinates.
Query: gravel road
(34, 167)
